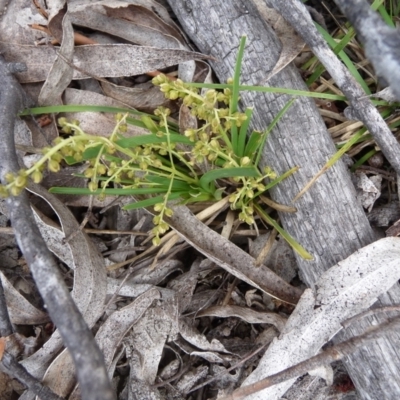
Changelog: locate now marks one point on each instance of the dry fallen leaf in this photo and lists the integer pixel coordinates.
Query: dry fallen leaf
(89, 289)
(346, 289)
(292, 43)
(246, 314)
(96, 60)
(21, 312)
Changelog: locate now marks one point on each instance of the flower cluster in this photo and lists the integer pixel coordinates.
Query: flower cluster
(158, 167)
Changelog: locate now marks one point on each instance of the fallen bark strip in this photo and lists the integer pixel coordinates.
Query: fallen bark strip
(88, 359)
(329, 223)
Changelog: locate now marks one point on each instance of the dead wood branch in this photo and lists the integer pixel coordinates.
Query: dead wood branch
(382, 43)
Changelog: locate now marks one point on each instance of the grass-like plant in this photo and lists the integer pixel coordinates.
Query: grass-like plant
(218, 159)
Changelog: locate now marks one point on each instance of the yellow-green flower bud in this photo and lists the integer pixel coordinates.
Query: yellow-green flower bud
(143, 165)
(101, 169)
(232, 198)
(158, 207)
(93, 186)
(123, 128)
(157, 163)
(9, 177)
(53, 166)
(157, 80)
(168, 212)
(57, 157)
(77, 156)
(165, 87)
(37, 176)
(156, 241)
(163, 227)
(89, 172)
(250, 193)
(173, 94)
(62, 121)
(3, 191)
(15, 190)
(245, 161)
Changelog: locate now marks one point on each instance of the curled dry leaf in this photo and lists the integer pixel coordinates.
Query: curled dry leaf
(199, 340)
(96, 60)
(369, 189)
(60, 377)
(60, 74)
(149, 335)
(292, 43)
(133, 23)
(346, 289)
(89, 288)
(19, 309)
(246, 314)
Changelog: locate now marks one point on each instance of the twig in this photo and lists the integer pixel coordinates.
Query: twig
(237, 365)
(87, 357)
(17, 371)
(297, 15)
(370, 312)
(326, 357)
(381, 42)
(5, 323)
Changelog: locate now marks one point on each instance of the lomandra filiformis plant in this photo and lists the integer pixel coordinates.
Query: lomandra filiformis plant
(217, 159)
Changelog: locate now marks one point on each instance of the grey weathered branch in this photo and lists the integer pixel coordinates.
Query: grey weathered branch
(13, 368)
(297, 15)
(5, 322)
(329, 222)
(88, 359)
(381, 42)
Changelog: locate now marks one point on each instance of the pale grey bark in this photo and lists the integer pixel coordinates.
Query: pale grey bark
(329, 222)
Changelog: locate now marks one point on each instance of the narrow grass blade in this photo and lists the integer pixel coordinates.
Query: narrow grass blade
(330, 162)
(243, 133)
(77, 108)
(177, 185)
(363, 160)
(150, 202)
(115, 192)
(92, 152)
(272, 126)
(300, 250)
(337, 49)
(233, 107)
(345, 58)
(213, 175)
(281, 178)
(252, 144)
